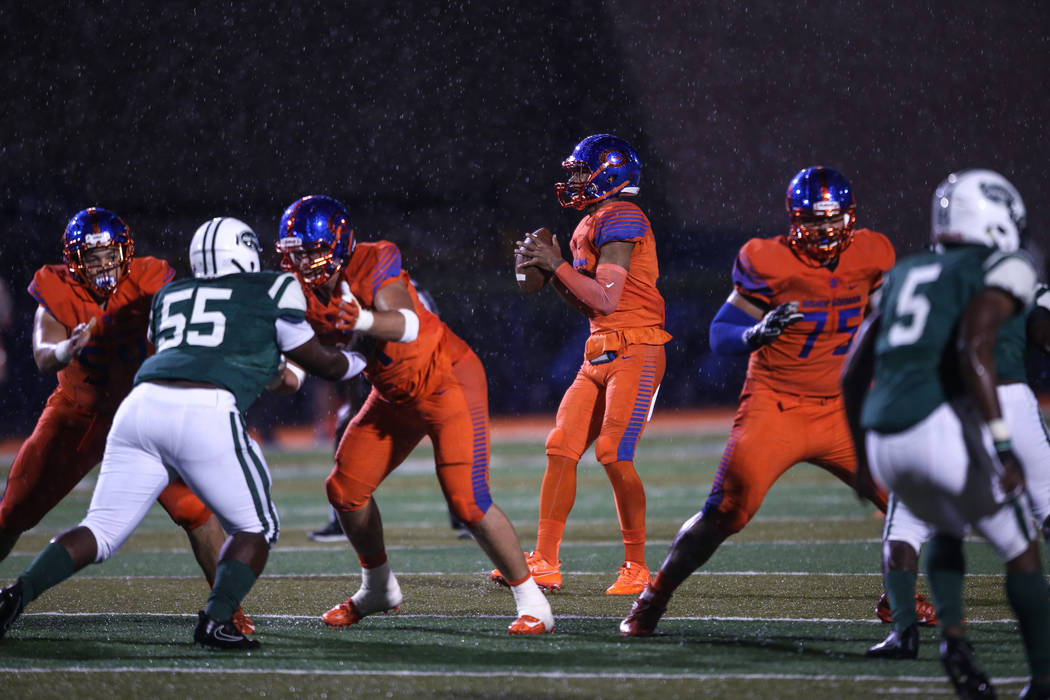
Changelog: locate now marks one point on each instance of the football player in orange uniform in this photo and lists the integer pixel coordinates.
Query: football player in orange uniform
(612, 281)
(797, 300)
(90, 328)
(425, 380)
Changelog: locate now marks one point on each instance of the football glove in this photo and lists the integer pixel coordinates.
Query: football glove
(345, 313)
(772, 325)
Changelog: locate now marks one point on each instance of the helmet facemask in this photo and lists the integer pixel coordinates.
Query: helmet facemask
(822, 238)
(314, 264)
(99, 264)
(600, 167)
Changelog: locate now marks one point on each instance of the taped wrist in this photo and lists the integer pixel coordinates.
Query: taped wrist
(411, 326)
(355, 364)
(62, 352)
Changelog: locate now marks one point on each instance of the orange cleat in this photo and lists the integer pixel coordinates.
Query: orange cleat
(527, 624)
(632, 579)
(924, 611)
(546, 575)
(242, 622)
(645, 614)
(347, 613)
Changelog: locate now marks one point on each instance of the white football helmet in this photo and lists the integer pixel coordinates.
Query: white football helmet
(224, 246)
(978, 206)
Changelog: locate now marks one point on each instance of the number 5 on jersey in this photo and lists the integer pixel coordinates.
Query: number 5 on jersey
(206, 328)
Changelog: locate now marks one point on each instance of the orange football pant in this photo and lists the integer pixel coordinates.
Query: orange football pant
(382, 434)
(608, 405)
(771, 433)
(65, 445)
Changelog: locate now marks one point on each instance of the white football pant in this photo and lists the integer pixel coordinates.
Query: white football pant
(198, 434)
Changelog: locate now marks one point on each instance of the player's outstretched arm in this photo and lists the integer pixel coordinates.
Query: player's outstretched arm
(734, 331)
(326, 361)
(394, 318)
(54, 346)
(978, 331)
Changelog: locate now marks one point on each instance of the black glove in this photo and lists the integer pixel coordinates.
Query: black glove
(772, 325)
(1012, 480)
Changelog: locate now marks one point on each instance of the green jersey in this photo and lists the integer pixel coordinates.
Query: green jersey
(923, 299)
(222, 330)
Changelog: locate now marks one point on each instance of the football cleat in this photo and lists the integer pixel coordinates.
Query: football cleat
(242, 622)
(632, 579)
(347, 613)
(961, 664)
(898, 645)
(97, 248)
(367, 601)
(220, 635)
(645, 614)
(819, 201)
(924, 611)
(12, 602)
(332, 532)
(527, 624)
(546, 575)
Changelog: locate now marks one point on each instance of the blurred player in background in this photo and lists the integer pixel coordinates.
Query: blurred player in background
(425, 381)
(90, 328)
(6, 319)
(923, 402)
(220, 337)
(797, 300)
(612, 281)
(904, 534)
(352, 396)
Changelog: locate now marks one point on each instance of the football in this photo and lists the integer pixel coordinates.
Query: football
(532, 279)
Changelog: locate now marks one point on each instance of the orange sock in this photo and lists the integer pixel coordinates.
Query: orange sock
(630, 508)
(557, 496)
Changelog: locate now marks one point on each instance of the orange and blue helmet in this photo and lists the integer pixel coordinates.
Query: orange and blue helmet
(601, 166)
(315, 238)
(815, 194)
(91, 229)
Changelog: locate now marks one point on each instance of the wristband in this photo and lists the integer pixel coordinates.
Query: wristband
(299, 372)
(999, 430)
(355, 362)
(365, 319)
(62, 353)
(411, 326)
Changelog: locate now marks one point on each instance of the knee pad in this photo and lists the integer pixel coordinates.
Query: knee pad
(346, 494)
(606, 448)
(187, 511)
(557, 444)
(465, 510)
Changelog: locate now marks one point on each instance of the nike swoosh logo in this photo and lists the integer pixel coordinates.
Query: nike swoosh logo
(609, 285)
(222, 636)
(532, 625)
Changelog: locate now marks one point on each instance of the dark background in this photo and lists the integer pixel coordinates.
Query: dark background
(442, 128)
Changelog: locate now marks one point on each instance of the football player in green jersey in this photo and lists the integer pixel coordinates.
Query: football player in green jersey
(921, 398)
(220, 337)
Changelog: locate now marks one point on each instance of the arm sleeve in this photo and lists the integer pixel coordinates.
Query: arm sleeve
(727, 330)
(601, 294)
(292, 332)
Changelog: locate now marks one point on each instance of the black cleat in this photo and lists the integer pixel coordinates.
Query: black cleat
(220, 635)
(332, 532)
(899, 645)
(961, 664)
(12, 602)
(1031, 692)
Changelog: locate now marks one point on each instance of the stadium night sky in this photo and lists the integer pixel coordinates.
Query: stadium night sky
(442, 127)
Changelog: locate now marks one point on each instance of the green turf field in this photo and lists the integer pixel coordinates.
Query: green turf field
(783, 610)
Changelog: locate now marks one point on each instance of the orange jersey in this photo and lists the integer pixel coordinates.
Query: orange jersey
(101, 375)
(641, 309)
(807, 357)
(399, 371)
